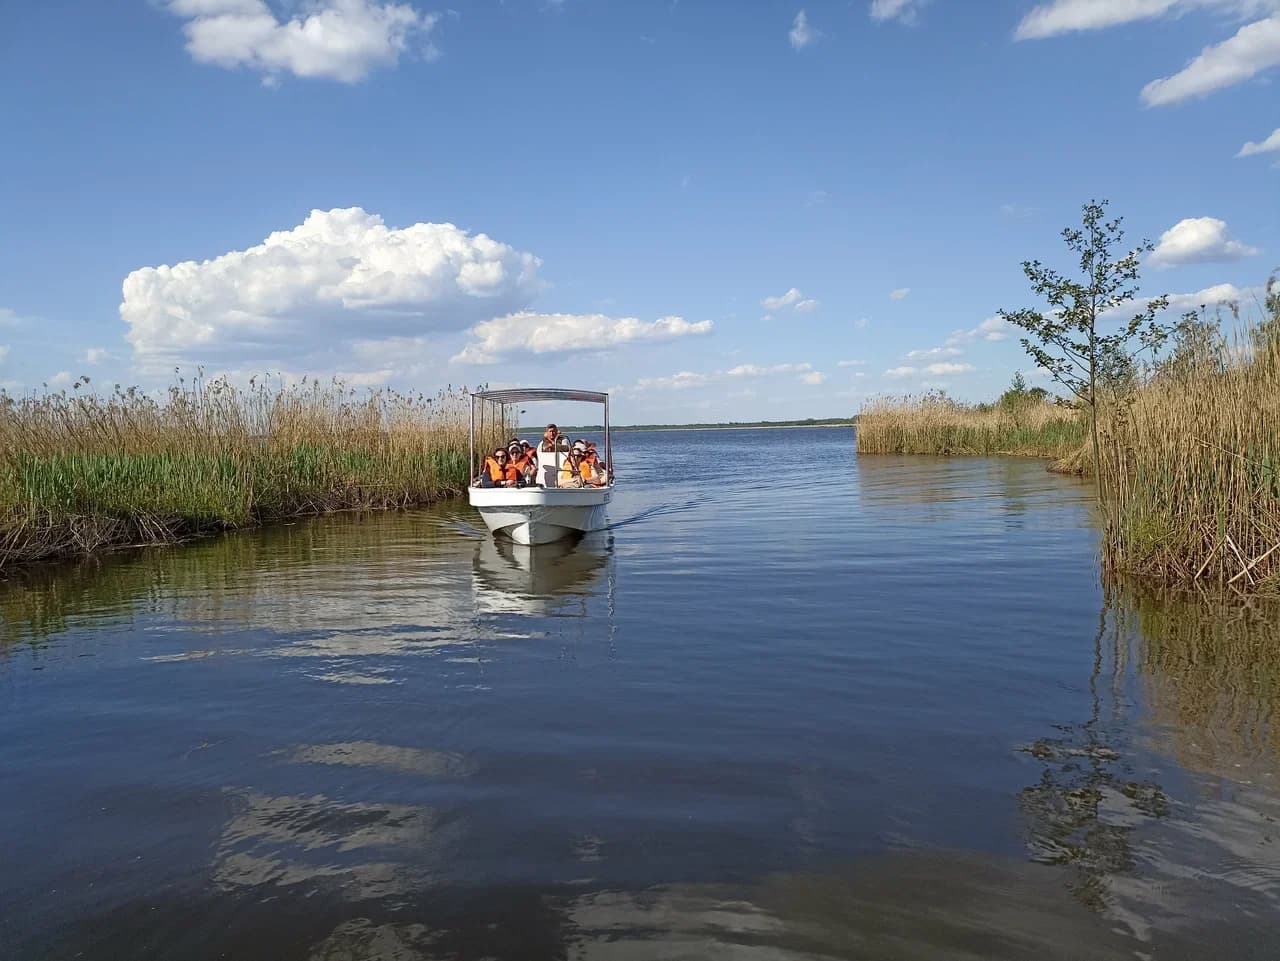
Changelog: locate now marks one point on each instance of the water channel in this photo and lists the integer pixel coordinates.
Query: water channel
(793, 704)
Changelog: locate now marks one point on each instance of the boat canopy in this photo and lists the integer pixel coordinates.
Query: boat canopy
(528, 394)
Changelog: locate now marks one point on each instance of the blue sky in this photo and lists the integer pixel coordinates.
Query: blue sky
(714, 209)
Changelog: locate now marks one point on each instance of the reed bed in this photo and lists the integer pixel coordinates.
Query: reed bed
(935, 424)
(1191, 470)
(81, 471)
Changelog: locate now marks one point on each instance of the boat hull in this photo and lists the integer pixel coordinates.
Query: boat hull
(535, 515)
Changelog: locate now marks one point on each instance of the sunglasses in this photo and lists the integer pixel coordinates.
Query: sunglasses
(500, 456)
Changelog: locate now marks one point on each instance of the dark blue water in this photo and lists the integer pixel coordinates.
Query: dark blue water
(793, 704)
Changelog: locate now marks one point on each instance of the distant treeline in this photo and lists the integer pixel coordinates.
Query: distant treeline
(728, 425)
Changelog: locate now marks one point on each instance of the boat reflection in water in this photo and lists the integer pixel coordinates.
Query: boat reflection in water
(558, 579)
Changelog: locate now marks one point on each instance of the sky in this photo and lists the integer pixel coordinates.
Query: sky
(713, 210)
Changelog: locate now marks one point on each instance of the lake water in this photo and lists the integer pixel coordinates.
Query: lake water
(793, 704)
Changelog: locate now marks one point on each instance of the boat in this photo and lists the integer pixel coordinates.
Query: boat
(545, 512)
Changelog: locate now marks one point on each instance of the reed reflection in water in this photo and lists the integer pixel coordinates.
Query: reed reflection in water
(892, 716)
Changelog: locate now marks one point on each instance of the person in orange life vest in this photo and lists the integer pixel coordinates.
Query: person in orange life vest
(549, 438)
(525, 463)
(576, 472)
(598, 465)
(498, 471)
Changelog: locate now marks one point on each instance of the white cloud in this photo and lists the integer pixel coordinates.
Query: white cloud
(942, 369)
(801, 34)
(992, 330)
(96, 355)
(851, 363)
(339, 276)
(816, 198)
(1209, 297)
(9, 318)
(1198, 240)
(934, 352)
(686, 379)
(533, 333)
(1214, 296)
(61, 379)
(793, 299)
(335, 39)
(861, 323)
(752, 370)
(1068, 16)
(904, 11)
(4, 353)
(1254, 48)
(1270, 145)
(814, 379)
(900, 293)
(681, 381)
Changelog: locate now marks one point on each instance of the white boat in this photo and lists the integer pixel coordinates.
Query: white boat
(546, 512)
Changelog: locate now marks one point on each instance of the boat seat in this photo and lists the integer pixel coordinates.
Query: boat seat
(549, 462)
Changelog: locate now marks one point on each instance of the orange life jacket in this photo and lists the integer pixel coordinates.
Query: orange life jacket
(583, 470)
(500, 472)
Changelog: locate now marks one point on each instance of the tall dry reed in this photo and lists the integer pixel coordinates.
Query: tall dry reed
(1191, 466)
(80, 471)
(936, 424)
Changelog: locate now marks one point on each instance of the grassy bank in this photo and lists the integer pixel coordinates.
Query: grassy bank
(1190, 452)
(1191, 467)
(80, 472)
(936, 424)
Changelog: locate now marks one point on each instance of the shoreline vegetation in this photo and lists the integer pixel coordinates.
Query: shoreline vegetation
(81, 472)
(1188, 441)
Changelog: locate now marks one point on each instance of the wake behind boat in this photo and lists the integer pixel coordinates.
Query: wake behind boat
(544, 508)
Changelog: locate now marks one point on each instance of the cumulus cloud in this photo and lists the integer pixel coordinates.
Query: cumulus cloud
(1270, 145)
(934, 352)
(529, 333)
(341, 275)
(1198, 240)
(9, 318)
(335, 39)
(906, 370)
(900, 293)
(991, 330)
(1254, 48)
(904, 11)
(862, 323)
(62, 378)
(851, 363)
(4, 353)
(801, 34)
(96, 355)
(792, 299)
(814, 378)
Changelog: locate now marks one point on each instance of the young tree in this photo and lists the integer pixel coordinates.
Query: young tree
(1078, 340)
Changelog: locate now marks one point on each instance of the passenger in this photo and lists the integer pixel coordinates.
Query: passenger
(524, 461)
(576, 472)
(498, 471)
(549, 438)
(598, 465)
